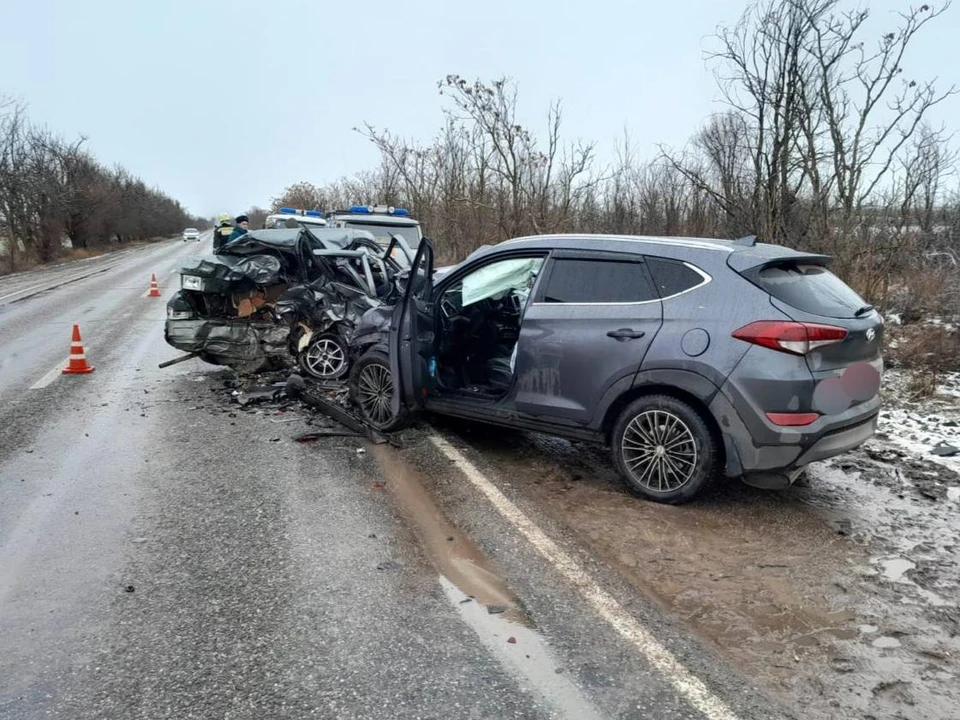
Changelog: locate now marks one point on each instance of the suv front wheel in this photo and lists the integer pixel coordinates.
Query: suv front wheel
(371, 390)
(664, 449)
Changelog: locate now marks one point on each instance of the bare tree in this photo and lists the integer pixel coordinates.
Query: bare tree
(53, 191)
(303, 196)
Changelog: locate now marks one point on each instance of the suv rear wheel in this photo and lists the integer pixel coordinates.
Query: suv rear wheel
(371, 390)
(664, 449)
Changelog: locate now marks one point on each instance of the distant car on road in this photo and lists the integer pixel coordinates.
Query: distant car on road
(191, 234)
(689, 358)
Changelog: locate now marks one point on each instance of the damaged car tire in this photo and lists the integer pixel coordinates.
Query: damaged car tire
(371, 390)
(325, 358)
(664, 449)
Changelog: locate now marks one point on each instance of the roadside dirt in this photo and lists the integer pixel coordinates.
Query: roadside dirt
(840, 595)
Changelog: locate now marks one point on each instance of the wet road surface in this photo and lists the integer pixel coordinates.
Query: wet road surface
(165, 556)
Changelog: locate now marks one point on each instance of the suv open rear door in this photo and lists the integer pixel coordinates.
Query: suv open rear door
(412, 334)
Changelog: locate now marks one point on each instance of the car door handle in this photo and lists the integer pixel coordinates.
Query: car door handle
(626, 334)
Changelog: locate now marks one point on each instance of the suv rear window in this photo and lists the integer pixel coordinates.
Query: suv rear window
(810, 288)
(672, 277)
(597, 281)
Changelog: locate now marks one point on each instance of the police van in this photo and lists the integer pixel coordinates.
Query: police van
(382, 221)
(292, 218)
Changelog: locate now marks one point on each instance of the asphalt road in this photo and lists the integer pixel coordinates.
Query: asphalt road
(164, 556)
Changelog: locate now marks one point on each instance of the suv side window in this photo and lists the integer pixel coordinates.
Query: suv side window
(597, 281)
(672, 277)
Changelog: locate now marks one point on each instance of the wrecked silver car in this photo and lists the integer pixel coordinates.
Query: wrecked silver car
(275, 298)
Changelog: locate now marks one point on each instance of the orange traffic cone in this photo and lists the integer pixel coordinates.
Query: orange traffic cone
(154, 288)
(78, 359)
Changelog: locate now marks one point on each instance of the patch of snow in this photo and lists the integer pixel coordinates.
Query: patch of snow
(940, 322)
(896, 567)
(919, 434)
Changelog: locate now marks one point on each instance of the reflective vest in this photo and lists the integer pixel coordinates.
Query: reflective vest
(221, 235)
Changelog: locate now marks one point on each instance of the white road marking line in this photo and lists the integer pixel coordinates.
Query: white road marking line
(50, 376)
(61, 283)
(20, 292)
(683, 681)
(530, 657)
(56, 372)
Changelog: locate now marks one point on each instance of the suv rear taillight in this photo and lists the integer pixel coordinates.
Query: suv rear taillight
(795, 338)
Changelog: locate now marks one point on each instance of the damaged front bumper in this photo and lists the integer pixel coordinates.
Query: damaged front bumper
(245, 346)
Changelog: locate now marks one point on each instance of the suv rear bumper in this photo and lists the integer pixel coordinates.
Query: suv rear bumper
(839, 441)
(766, 449)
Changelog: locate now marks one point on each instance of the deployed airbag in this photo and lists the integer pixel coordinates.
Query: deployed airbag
(493, 280)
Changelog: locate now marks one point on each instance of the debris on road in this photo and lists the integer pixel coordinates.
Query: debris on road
(844, 527)
(258, 395)
(175, 361)
(946, 450)
(332, 400)
(327, 432)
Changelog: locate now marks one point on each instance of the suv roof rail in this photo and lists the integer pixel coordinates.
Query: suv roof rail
(746, 241)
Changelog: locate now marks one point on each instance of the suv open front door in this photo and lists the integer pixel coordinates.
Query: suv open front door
(412, 335)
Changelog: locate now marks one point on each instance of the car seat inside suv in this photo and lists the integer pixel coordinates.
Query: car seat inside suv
(478, 338)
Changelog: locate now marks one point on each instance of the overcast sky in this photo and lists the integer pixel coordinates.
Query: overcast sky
(223, 103)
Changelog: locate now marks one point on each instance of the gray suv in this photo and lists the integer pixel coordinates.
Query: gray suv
(688, 357)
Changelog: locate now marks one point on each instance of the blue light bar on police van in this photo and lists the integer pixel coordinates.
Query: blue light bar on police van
(360, 209)
(288, 211)
(313, 213)
(402, 212)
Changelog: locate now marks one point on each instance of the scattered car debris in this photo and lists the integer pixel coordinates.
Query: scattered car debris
(330, 432)
(946, 450)
(182, 358)
(257, 395)
(332, 401)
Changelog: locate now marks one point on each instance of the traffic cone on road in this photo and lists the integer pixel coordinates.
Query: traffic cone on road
(77, 364)
(154, 288)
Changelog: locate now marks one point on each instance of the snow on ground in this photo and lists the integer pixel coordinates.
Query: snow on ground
(919, 426)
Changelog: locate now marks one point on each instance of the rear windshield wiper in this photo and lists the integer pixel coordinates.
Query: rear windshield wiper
(864, 310)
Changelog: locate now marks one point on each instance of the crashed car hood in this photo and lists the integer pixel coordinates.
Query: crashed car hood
(261, 269)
